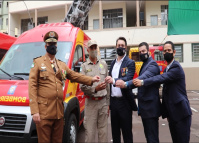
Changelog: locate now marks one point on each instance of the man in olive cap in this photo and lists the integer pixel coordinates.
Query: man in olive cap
(45, 91)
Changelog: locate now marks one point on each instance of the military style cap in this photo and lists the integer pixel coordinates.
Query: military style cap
(51, 36)
(91, 42)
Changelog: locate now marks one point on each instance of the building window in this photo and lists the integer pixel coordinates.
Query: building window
(95, 23)
(6, 21)
(179, 53)
(112, 18)
(195, 52)
(108, 54)
(154, 20)
(164, 14)
(26, 25)
(42, 20)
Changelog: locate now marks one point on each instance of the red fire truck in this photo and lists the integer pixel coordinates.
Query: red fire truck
(16, 122)
(6, 42)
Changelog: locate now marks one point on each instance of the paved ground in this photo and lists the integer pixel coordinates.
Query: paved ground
(164, 134)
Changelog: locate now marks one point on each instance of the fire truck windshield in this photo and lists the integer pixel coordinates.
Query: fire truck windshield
(19, 58)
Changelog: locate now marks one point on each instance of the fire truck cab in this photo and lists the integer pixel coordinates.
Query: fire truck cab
(15, 118)
(6, 42)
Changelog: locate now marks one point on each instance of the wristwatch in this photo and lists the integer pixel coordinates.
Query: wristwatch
(125, 84)
(142, 82)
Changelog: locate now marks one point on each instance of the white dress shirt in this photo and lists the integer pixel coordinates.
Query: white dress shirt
(167, 68)
(116, 91)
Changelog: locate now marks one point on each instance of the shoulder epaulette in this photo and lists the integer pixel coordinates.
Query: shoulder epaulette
(60, 60)
(36, 58)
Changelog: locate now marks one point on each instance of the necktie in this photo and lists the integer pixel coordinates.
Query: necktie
(52, 65)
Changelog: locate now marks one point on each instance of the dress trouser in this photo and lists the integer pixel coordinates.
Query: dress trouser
(151, 129)
(50, 131)
(96, 118)
(180, 131)
(121, 119)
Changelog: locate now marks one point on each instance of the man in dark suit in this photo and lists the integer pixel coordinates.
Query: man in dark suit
(175, 104)
(148, 97)
(122, 100)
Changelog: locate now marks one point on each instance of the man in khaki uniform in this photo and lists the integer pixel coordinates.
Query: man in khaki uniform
(97, 97)
(46, 93)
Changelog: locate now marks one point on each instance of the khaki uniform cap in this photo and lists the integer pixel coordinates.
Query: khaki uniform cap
(91, 42)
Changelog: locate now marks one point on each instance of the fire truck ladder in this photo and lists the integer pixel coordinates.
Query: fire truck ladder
(78, 12)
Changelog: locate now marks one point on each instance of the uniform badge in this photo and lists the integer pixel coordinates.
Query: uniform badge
(63, 73)
(124, 71)
(51, 34)
(33, 64)
(88, 70)
(101, 66)
(43, 67)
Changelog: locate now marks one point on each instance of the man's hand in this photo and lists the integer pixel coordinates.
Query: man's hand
(109, 79)
(100, 86)
(120, 84)
(36, 118)
(137, 82)
(96, 78)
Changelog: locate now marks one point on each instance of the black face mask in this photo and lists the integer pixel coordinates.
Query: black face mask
(52, 49)
(168, 57)
(144, 57)
(121, 51)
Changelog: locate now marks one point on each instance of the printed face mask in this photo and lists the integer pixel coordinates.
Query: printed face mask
(121, 51)
(144, 57)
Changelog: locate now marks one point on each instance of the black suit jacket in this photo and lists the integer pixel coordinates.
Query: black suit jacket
(175, 104)
(148, 96)
(126, 73)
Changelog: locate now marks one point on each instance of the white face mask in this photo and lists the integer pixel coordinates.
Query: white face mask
(93, 53)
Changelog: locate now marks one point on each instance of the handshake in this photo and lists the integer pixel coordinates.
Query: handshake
(102, 85)
(121, 83)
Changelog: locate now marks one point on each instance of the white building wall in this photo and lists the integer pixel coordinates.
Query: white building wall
(94, 13)
(153, 8)
(18, 6)
(14, 22)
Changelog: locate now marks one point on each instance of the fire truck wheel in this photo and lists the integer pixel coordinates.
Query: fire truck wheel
(70, 130)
